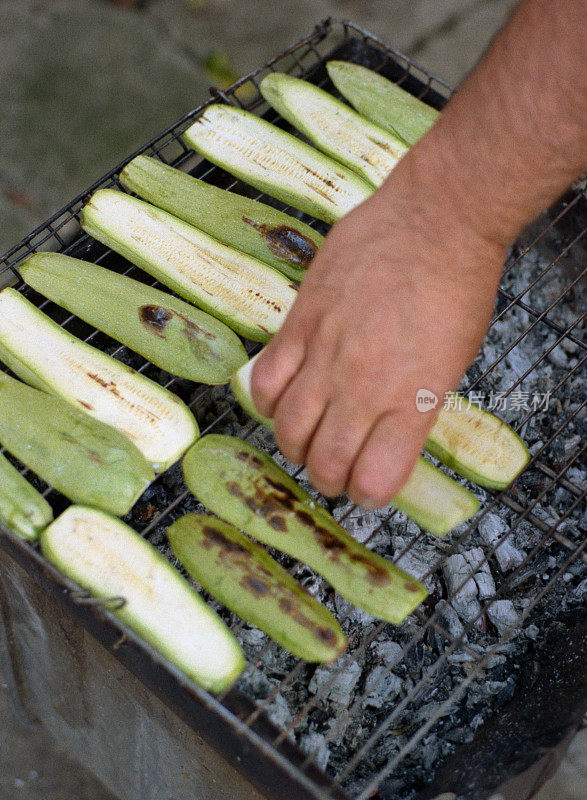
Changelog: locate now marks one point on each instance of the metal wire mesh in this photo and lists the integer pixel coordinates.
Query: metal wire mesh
(62, 233)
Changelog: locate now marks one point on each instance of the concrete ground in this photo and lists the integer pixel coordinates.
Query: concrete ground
(83, 83)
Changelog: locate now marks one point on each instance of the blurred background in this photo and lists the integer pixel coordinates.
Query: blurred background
(85, 82)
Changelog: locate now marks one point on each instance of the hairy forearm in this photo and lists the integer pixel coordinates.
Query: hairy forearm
(514, 136)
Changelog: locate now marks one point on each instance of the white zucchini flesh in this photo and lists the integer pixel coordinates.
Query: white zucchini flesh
(276, 162)
(49, 358)
(248, 295)
(477, 444)
(333, 127)
(108, 559)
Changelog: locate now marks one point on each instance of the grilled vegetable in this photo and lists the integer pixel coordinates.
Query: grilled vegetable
(244, 577)
(49, 358)
(433, 500)
(108, 559)
(22, 508)
(85, 460)
(276, 162)
(333, 127)
(263, 232)
(170, 333)
(477, 444)
(383, 102)
(249, 296)
(246, 487)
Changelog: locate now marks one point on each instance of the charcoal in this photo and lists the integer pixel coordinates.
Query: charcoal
(314, 744)
(381, 686)
(492, 528)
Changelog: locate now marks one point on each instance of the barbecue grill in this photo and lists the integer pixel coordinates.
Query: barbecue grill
(457, 699)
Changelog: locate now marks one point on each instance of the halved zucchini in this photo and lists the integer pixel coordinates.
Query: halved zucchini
(49, 358)
(430, 498)
(477, 444)
(243, 576)
(87, 461)
(108, 559)
(275, 162)
(251, 227)
(246, 487)
(383, 102)
(333, 127)
(249, 296)
(22, 509)
(173, 335)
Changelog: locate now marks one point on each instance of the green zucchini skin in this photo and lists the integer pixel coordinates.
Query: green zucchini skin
(275, 162)
(22, 509)
(243, 576)
(171, 334)
(430, 498)
(477, 445)
(333, 127)
(382, 101)
(245, 487)
(87, 461)
(249, 296)
(108, 559)
(46, 356)
(249, 226)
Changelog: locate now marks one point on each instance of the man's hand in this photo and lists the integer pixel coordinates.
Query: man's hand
(400, 294)
(398, 299)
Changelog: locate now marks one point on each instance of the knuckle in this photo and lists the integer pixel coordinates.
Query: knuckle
(327, 475)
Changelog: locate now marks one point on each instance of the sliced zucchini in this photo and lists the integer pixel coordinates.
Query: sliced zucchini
(246, 487)
(86, 460)
(49, 358)
(173, 335)
(108, 559)
(251, 227)
(22, 509)
(433, 500)
(275, 162)
(383, 102)
(333, 127)
(249, 296)
(243, 576)
(477, 444)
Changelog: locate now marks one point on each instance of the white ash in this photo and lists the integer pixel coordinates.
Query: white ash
(449, 619)
(314, 744)
(472, 571)
(339, 691)
(253, 637)
(532, 632)
(391, 653)
(492, 528)
(417, 556)
(279, 712)
(381, 686)
(503, 615)
(351, 616)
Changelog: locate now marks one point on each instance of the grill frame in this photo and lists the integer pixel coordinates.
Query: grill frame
(241, 730)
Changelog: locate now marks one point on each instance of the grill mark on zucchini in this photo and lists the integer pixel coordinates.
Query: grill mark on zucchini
(285, 242)
(246, 579)
(271, 505)
(156, 319)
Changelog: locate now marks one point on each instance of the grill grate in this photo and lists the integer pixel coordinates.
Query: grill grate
(546, 302)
